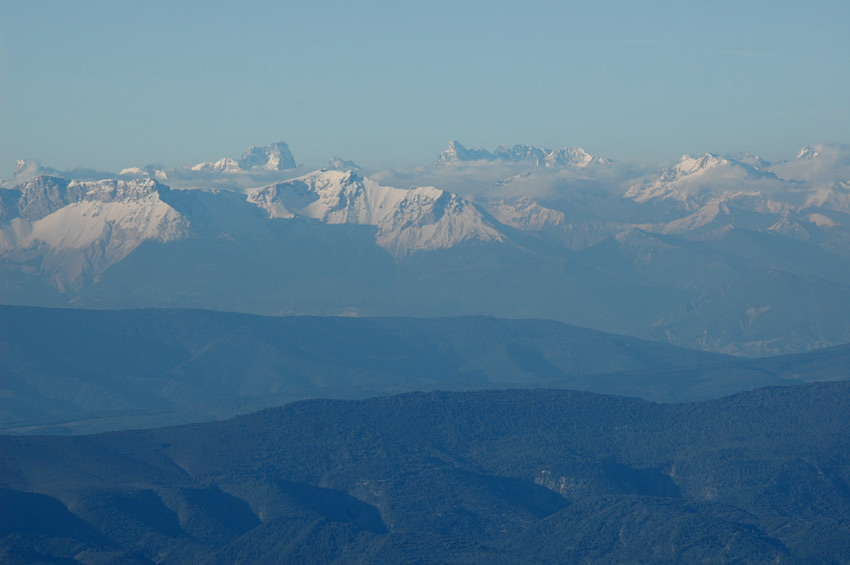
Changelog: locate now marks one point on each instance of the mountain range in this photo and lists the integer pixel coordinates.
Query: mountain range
(512, 476)
(82, 371)
(514, 356)
(524, 154)
(730, 253)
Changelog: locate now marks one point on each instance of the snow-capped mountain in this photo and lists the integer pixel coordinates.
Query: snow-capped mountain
(750, 159)
(620, 248)
(72, 228)
(408, 220)
(149, 171)
(523, 154)
(223, 165)
(818, 163)
(694, 180)
(28, 168)
(525, 214)
(274, 157)
(335, 163)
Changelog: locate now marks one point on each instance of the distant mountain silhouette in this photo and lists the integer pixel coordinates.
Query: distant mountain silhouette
(74, 371)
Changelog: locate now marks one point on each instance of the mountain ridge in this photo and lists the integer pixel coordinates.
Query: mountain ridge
(113, 369)
(536, 241)
(534, 156)
(489, 476)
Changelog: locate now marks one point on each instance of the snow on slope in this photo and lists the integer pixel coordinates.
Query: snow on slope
(696, 179)
(223, 165)
(525, 214)
(408, 220)
(82, 228)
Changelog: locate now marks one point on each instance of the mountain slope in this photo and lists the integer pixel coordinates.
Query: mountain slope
(131, 368)
(70, 230)
(499, 476)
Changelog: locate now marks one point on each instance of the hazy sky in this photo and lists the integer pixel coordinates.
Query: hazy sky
(114, 83)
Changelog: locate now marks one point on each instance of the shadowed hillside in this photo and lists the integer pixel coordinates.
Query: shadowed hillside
(493, 476)
(72, 371)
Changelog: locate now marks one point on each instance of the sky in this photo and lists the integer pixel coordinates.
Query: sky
(118, 83)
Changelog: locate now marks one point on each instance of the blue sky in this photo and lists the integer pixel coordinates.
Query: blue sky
(115, 83)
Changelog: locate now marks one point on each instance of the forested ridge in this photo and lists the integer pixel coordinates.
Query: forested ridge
(490, 476)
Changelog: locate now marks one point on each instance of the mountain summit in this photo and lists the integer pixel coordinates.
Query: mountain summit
(456, 153)
(274, 157)
(408, 220)
(76, 229)
(693, 178)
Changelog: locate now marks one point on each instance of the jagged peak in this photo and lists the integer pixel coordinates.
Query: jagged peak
(336, 163)
(691, 164)
(456, 153)
(809, 152)
(521, 153)
(272, 157)
(22, 165)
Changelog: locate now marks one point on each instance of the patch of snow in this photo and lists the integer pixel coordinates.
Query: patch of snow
(822, 221)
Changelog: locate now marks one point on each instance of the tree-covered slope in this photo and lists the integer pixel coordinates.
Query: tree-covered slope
(490, 476)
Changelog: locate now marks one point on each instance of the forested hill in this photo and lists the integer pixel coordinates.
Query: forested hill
(508, 476)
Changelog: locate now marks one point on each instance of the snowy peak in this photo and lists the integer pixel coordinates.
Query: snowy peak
(825, 155)
(521, 154)
(338, 164)
(566, 157)
(224, 165)
(77, 229)
(28, 168)
(274, 157)
(111, 190)
(817, 163)
(149, 171)
(689, 165)
(25, 168)
(695, 178)
(456, 153)
(43, 195)
(408, 220)
(810, 152)
(573, 157)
